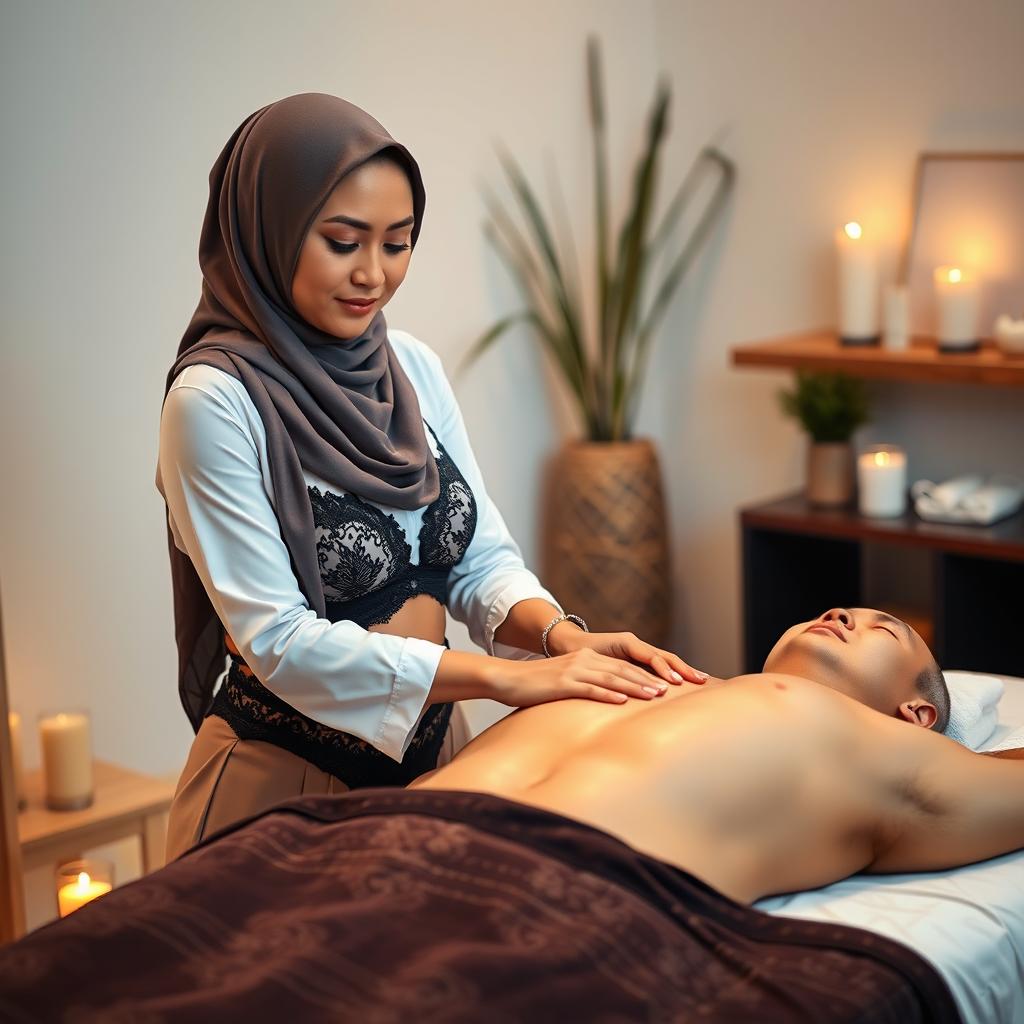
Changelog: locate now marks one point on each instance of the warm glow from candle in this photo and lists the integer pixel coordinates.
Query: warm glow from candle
(881, 458)
(954, 275)
(83, 881)
(853, 229)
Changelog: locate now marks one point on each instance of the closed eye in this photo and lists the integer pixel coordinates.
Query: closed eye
(349, 247)
(890, 632)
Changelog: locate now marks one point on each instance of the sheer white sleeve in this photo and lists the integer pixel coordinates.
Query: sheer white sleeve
(491, 577)
(370, 684)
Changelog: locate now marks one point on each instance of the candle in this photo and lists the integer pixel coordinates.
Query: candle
(858, 286)
(882, 481)
(897, 317)
(79, 882)
(67, 760)
(1009, 335)
(956, 297)
(14, 727)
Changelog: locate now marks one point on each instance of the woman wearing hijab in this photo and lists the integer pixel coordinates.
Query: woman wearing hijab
(324, 507)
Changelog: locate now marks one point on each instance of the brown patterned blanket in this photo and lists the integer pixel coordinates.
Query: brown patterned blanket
(418, 906)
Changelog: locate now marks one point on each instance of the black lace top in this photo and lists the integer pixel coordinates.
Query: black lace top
(367, 574)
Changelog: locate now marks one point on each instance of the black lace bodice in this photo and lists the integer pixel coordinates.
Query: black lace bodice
(365, 560)
(367, 575)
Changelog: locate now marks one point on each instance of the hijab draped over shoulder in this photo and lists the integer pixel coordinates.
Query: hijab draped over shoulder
(342, 409)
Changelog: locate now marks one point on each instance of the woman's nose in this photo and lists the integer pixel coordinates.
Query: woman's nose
(841, 615)
(369, 273)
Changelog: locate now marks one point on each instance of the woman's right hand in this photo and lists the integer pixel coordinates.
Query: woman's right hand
(582, 674)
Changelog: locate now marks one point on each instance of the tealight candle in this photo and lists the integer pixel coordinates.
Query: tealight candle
(67, 760)
(80, 882)
(14, 727)
(858, 286)
(956, 297)
(882, 481)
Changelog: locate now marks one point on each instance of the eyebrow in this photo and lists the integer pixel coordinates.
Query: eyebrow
(363, 226)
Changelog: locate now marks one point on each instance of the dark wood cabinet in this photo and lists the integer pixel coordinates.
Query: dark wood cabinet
(799, 560)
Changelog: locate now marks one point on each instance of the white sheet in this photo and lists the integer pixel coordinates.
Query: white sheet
(968, 922)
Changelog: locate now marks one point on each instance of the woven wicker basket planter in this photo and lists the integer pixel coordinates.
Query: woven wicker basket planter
(606, 552)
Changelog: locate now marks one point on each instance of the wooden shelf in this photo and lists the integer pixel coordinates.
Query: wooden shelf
(799, 559)
(820, 350)
(795, 514)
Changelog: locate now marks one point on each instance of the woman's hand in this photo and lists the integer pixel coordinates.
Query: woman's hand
(566, 637)
(584, 673)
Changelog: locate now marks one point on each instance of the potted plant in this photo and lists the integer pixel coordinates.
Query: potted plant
(605, 539)
(829, 407)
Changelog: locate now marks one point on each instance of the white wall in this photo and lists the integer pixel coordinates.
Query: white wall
(112, 113)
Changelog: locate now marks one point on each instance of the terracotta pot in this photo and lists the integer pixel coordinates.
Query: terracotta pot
(605, 540)
(830, 473)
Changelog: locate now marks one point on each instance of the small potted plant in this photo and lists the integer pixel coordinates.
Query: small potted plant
(829, 407)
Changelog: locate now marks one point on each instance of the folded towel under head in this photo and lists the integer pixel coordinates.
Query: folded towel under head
(973, 707)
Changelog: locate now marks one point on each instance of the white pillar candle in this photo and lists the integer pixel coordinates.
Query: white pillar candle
(956, 299)
(14, 727)
(882, 481)
(858, 286)
(80, 882)
(897, 317)
(67, 760)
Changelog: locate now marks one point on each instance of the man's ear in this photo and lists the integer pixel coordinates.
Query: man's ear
(919, 712)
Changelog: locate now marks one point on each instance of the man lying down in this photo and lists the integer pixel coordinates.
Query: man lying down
(577, 861)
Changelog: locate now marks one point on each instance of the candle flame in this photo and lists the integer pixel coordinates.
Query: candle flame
(853, 229)
(954, 275)
(83, 880)
(881, 458)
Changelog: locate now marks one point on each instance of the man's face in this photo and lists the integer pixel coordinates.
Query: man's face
(861, 652)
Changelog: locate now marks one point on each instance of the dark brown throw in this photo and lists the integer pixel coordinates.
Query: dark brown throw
(399, 906)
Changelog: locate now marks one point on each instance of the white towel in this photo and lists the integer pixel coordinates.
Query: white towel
(968, 499)
(1013, 739)
(973, 707)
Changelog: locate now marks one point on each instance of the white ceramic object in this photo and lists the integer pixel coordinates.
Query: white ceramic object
(1009, 335)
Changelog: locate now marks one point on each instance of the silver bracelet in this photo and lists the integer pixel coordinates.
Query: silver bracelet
(554, 622)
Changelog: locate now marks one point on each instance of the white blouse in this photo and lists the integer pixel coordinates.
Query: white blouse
(214, 475)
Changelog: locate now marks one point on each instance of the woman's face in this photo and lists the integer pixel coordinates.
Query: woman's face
(358, 248)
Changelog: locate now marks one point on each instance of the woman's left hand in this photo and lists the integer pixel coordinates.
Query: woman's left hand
(566, 637)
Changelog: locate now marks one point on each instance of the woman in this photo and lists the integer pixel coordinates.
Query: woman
(324, 506)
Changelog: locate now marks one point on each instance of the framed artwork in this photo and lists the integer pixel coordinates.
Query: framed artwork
(968, 212)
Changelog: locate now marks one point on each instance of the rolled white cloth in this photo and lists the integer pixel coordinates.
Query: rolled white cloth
(968, 499)
(973, 707)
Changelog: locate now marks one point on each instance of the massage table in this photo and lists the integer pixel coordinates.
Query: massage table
(397, 905)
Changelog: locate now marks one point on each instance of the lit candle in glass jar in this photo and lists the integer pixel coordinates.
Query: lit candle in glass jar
(858, 286)
(882, 481)
(80, 882)
(956, 300)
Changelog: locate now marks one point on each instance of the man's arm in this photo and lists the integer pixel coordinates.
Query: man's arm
(951, 806)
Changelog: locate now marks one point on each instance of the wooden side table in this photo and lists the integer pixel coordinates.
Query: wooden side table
(125, 804)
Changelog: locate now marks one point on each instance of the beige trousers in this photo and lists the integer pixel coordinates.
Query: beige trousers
(226, 779)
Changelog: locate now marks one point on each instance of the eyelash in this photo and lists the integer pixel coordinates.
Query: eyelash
(344, 248)
(890, 632)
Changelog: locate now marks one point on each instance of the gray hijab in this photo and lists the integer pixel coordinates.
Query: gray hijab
(344, 410)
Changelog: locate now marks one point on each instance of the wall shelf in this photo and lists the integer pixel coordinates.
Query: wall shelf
(799, 560)
(922, 361)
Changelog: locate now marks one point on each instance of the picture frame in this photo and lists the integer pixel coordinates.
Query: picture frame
(967, 210)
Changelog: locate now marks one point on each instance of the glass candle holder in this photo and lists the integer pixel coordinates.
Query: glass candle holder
(80, 881)
(65, 739)
(882, 481)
